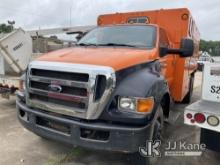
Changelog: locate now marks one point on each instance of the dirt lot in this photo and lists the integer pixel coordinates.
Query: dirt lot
(21, 147)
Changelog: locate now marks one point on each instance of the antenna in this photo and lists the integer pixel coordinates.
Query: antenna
(70, 15)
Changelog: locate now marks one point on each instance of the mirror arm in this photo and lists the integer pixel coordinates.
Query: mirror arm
(186, 49)
(174, 51)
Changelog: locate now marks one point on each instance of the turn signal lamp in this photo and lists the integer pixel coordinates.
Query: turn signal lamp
(145, 105)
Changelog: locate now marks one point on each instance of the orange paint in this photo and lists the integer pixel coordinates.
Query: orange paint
(117, 58)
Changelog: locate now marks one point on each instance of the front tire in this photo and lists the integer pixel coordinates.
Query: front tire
(155, 134)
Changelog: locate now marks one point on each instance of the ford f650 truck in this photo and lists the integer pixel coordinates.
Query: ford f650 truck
(113, 90)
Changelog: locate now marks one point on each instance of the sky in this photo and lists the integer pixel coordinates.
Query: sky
(35, 14)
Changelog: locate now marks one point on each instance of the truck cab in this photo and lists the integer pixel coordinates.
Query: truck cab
(113, 90)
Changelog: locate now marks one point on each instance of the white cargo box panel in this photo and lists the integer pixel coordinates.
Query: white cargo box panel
(15, 51)
(211, 82)
(2, 65)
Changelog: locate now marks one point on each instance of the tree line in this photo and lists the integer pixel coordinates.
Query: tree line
(212, 47)
(6, 28)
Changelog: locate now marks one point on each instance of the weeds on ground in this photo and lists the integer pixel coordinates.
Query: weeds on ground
(64, 158)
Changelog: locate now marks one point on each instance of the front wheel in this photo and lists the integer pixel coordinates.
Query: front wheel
(155, 134)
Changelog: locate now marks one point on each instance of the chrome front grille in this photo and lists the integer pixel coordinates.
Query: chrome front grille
(73, 88)
(69, 89)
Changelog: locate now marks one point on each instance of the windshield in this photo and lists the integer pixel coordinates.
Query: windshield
(131, 36)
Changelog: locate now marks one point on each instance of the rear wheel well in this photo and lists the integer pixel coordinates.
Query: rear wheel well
(165, 104)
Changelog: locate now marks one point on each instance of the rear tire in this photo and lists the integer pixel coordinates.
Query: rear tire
(187, 99)
(155, 134)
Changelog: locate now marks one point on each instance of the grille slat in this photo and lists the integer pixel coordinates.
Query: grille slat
(65, 89)
(63, 97)
(61, 75)
(59, 81)
(60, 96)
(44, 99)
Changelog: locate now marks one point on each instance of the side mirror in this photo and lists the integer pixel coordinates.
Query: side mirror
(186, 49)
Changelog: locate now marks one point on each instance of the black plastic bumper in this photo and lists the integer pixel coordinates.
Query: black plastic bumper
(211, 139)
(121, 138)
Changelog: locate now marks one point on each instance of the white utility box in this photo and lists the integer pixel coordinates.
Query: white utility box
(211, 82)
(15, 52)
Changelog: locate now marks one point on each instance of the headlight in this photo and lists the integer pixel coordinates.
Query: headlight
(127, 103)
(22, 86)
(136, 105)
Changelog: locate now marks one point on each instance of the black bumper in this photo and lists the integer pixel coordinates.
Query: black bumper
(120, 138)
(211, 139)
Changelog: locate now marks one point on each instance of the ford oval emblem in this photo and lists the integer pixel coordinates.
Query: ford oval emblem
(55, 88)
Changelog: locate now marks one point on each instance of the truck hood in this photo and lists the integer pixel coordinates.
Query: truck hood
(117, 58)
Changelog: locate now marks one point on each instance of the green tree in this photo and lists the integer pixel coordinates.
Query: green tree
(4, 28)
(212, 47)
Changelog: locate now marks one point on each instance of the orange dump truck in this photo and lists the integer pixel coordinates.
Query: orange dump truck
(113, 90)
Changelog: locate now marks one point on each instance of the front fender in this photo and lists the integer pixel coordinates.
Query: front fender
(142, 82)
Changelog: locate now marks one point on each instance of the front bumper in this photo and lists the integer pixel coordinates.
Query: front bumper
(117, 137)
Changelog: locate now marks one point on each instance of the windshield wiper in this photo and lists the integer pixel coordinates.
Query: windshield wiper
(86, 44)
(107, 44)
(115, 44)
